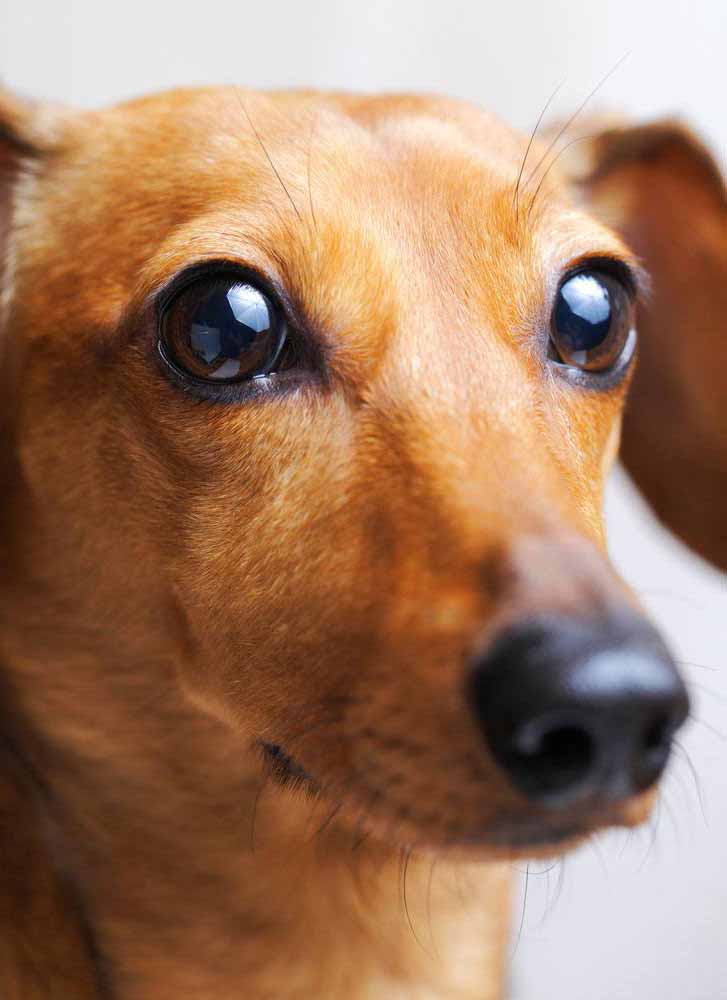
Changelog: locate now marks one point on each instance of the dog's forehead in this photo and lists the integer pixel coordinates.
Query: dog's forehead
(362, 206)
(295, 150)
(217, 120)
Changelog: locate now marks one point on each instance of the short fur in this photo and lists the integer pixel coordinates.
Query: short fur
(195, 595)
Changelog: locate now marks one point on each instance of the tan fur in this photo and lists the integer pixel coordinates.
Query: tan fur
(182, 580)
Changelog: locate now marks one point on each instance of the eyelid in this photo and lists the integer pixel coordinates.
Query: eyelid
(631, 275)
(241, 273)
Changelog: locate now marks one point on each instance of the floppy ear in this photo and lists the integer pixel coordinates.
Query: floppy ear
(660, 188)
(18, 145)
(22, 142)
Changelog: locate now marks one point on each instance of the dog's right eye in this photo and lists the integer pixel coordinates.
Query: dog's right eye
(222, 330)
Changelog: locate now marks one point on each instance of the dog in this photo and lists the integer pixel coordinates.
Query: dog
(308, 627)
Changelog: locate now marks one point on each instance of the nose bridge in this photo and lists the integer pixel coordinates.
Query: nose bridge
(471, 455)
(458, 398)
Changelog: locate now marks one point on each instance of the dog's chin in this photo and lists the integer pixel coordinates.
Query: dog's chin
(512, 837)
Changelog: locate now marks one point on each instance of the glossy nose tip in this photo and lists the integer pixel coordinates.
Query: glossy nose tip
(573, 711)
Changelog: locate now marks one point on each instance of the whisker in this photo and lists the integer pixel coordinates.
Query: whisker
(708, 725)
(627, 841)
(598, 851)
(653, 828)
(308, 172)
(546, 873)
(429, 907)
(699, 666)
(564, 128)
(707, 690)
(561, 151)
(558, 888)
(267, 155)
(684, 755)
(533, 134)
(672, 819)
(404, 859)
(522, 914)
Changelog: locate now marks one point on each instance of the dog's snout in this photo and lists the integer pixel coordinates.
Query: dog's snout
(575, 711)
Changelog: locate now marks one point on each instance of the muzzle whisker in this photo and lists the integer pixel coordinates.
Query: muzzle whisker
(708, 725)
(405, 854)
(685, 757)
(521, 924)
(651, 832)
(429, 909)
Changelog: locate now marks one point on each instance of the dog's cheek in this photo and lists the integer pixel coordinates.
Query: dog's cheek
(270, 550)
(586, 427)
(610, 452)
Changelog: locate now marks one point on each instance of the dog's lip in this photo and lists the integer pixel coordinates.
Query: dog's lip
(284, 768)
(515, 833)
(532, 835)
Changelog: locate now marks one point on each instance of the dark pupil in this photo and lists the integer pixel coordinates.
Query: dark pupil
(232, 332)
(583, 314)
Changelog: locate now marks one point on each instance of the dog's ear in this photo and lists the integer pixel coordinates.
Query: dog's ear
(19, 144)
(24, 139)
(661, 189)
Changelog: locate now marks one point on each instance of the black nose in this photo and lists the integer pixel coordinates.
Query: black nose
(574, 710)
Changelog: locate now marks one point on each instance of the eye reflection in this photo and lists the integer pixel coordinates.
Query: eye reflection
(591, 320)
(223, 330)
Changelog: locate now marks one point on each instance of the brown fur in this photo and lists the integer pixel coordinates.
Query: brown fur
(182, 580)
(663, 191)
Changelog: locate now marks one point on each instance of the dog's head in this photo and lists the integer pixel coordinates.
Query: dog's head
(316, 396)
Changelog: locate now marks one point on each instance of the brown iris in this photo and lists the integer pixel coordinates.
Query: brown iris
(222, 329)
(592, 319)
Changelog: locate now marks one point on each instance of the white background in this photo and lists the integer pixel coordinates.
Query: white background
(633, 921)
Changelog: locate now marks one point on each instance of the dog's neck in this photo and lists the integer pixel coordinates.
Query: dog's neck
(182, 871)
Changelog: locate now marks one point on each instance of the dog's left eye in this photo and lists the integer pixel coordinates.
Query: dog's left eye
(591, 321)
(222, 330)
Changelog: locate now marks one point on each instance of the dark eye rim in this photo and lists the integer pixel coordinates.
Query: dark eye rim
(220, 268)
(634, 283)
(308, 362)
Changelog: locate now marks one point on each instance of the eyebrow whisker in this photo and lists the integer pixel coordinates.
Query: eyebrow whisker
(531, 140)
(564, 128)
(561, 151)
(308, 171)
(267, 155)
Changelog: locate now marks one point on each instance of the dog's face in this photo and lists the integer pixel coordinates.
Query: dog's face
(315, 392)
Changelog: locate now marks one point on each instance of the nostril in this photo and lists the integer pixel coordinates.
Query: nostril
(658, 735)
(549, 759)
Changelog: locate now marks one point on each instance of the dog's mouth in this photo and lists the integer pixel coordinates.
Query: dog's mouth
(285, 770)
(514, 835)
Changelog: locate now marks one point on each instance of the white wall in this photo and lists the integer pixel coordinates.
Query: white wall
(628, 925)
